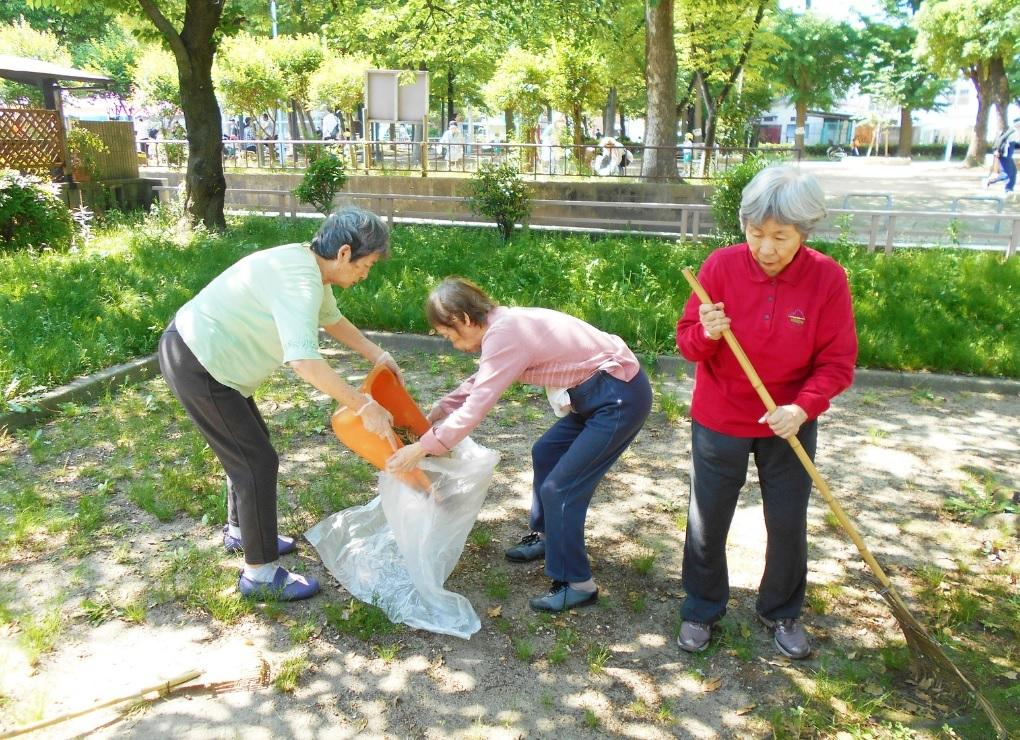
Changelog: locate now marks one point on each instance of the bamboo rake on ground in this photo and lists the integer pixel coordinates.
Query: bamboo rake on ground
(922, 646)
(146, 694)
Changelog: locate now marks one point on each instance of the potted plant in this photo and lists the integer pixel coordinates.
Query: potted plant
(84, 148)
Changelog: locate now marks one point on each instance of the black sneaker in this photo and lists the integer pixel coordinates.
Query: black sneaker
(531, 547)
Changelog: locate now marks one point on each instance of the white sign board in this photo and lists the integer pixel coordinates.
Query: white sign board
(387, 100)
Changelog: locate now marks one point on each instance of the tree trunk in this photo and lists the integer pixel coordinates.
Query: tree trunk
(508, 122)
(623, 125)
(998, 85)
(906, 133)
(609, 115)
(449, 96)
(193, 49)
(801, 125)
(979, 137)
(660, 82)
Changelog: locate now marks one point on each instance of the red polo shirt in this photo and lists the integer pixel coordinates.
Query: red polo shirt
(796, 328)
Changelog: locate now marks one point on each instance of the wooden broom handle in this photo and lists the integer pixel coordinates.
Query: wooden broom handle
(801, 453)
(160, 689)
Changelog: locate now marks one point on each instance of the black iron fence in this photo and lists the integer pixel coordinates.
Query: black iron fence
(536, 161)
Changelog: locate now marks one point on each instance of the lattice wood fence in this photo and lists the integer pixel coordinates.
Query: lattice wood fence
(30, 140)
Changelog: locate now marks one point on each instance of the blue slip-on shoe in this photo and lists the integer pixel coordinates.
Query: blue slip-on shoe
(562, 597)
(305, 587)
(531, 547)
(284, 545)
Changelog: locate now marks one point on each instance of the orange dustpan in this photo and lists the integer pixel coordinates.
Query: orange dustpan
(384, 387)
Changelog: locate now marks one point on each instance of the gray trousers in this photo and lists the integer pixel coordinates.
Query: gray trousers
(718, 471)
(237, 434)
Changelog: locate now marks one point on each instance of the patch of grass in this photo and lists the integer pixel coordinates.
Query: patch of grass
(195, 579)
(637, 601)
(566, 638)
(598, 656)
(358, 619)
(666, 714)
(875, 434)
(301, 632)
(734, 636)
(644, 563)
(344, 481)
(39, 632)
(28, 515)
(290, 672)
(981, 496)
(870, 398)
(672, 407)
(497, 584)
(387, 653)
(591, 719)
(89, 517)
(524, 650)
(481, 536)
(832, 521)
(820, 597)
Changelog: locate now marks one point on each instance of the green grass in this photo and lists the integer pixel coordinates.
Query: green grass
(195, 578)
(358, 619)
(497, 584)
(63, 315)
(290, 672)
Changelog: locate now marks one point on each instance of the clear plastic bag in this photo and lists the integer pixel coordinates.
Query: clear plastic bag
(398, 550)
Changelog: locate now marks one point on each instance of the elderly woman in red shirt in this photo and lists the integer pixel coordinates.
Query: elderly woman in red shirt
(789, 306)
(595, 385)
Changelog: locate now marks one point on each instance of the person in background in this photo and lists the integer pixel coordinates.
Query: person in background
(1005, 149)
(789, 307)
(453, 141)
(262, 312)
(330, 126)
(597, 389)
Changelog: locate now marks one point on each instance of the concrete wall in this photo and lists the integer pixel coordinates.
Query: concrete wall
(636, 218)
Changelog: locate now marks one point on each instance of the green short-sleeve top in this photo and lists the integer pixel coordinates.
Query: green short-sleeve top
(263, 311)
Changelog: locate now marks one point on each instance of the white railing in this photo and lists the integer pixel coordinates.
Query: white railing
(875, 229)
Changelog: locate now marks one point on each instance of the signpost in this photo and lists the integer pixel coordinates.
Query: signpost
(389, 101)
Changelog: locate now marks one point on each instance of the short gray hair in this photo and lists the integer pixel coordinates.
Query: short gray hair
(363, 230)
(785, 194)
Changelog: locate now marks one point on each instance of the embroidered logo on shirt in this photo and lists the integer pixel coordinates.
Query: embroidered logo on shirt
(796, 317)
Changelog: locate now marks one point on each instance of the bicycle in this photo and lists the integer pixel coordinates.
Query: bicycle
(835, 153)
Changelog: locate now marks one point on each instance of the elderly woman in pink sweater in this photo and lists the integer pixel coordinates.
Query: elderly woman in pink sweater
(595, 385)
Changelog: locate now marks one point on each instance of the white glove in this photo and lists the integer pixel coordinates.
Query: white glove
(376, 419)
(386, 359)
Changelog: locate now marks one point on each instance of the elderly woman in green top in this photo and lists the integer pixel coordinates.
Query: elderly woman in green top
(262, 312)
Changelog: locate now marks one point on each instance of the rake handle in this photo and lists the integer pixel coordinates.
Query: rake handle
(809, 466)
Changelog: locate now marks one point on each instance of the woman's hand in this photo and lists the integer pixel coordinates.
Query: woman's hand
(386, 360)
(435, 414)
(713, 320)
(377, 420)
(785, 421)
(406, 458)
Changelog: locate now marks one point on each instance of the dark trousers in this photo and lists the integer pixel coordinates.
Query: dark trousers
(573, 456)
(1008, 167)
(237, 434)
(718, 471)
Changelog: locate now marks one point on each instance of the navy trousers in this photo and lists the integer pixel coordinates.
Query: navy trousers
(718, 471)
(573, 456)
(1008, 167)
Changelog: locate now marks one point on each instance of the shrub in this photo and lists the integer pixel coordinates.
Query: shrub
(32, 215)
(728, 190)
(323, 179)
(85, 148)
(498, 192)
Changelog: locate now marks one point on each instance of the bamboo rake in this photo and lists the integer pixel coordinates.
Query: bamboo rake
(146, 694)
(920, 643)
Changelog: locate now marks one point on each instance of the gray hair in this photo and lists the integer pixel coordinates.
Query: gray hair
(363, 230)
(785, 194)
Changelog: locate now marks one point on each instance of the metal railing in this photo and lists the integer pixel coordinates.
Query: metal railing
(536, 161)
(874, 229)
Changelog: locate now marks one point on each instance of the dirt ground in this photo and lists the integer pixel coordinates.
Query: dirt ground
(893, 457)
